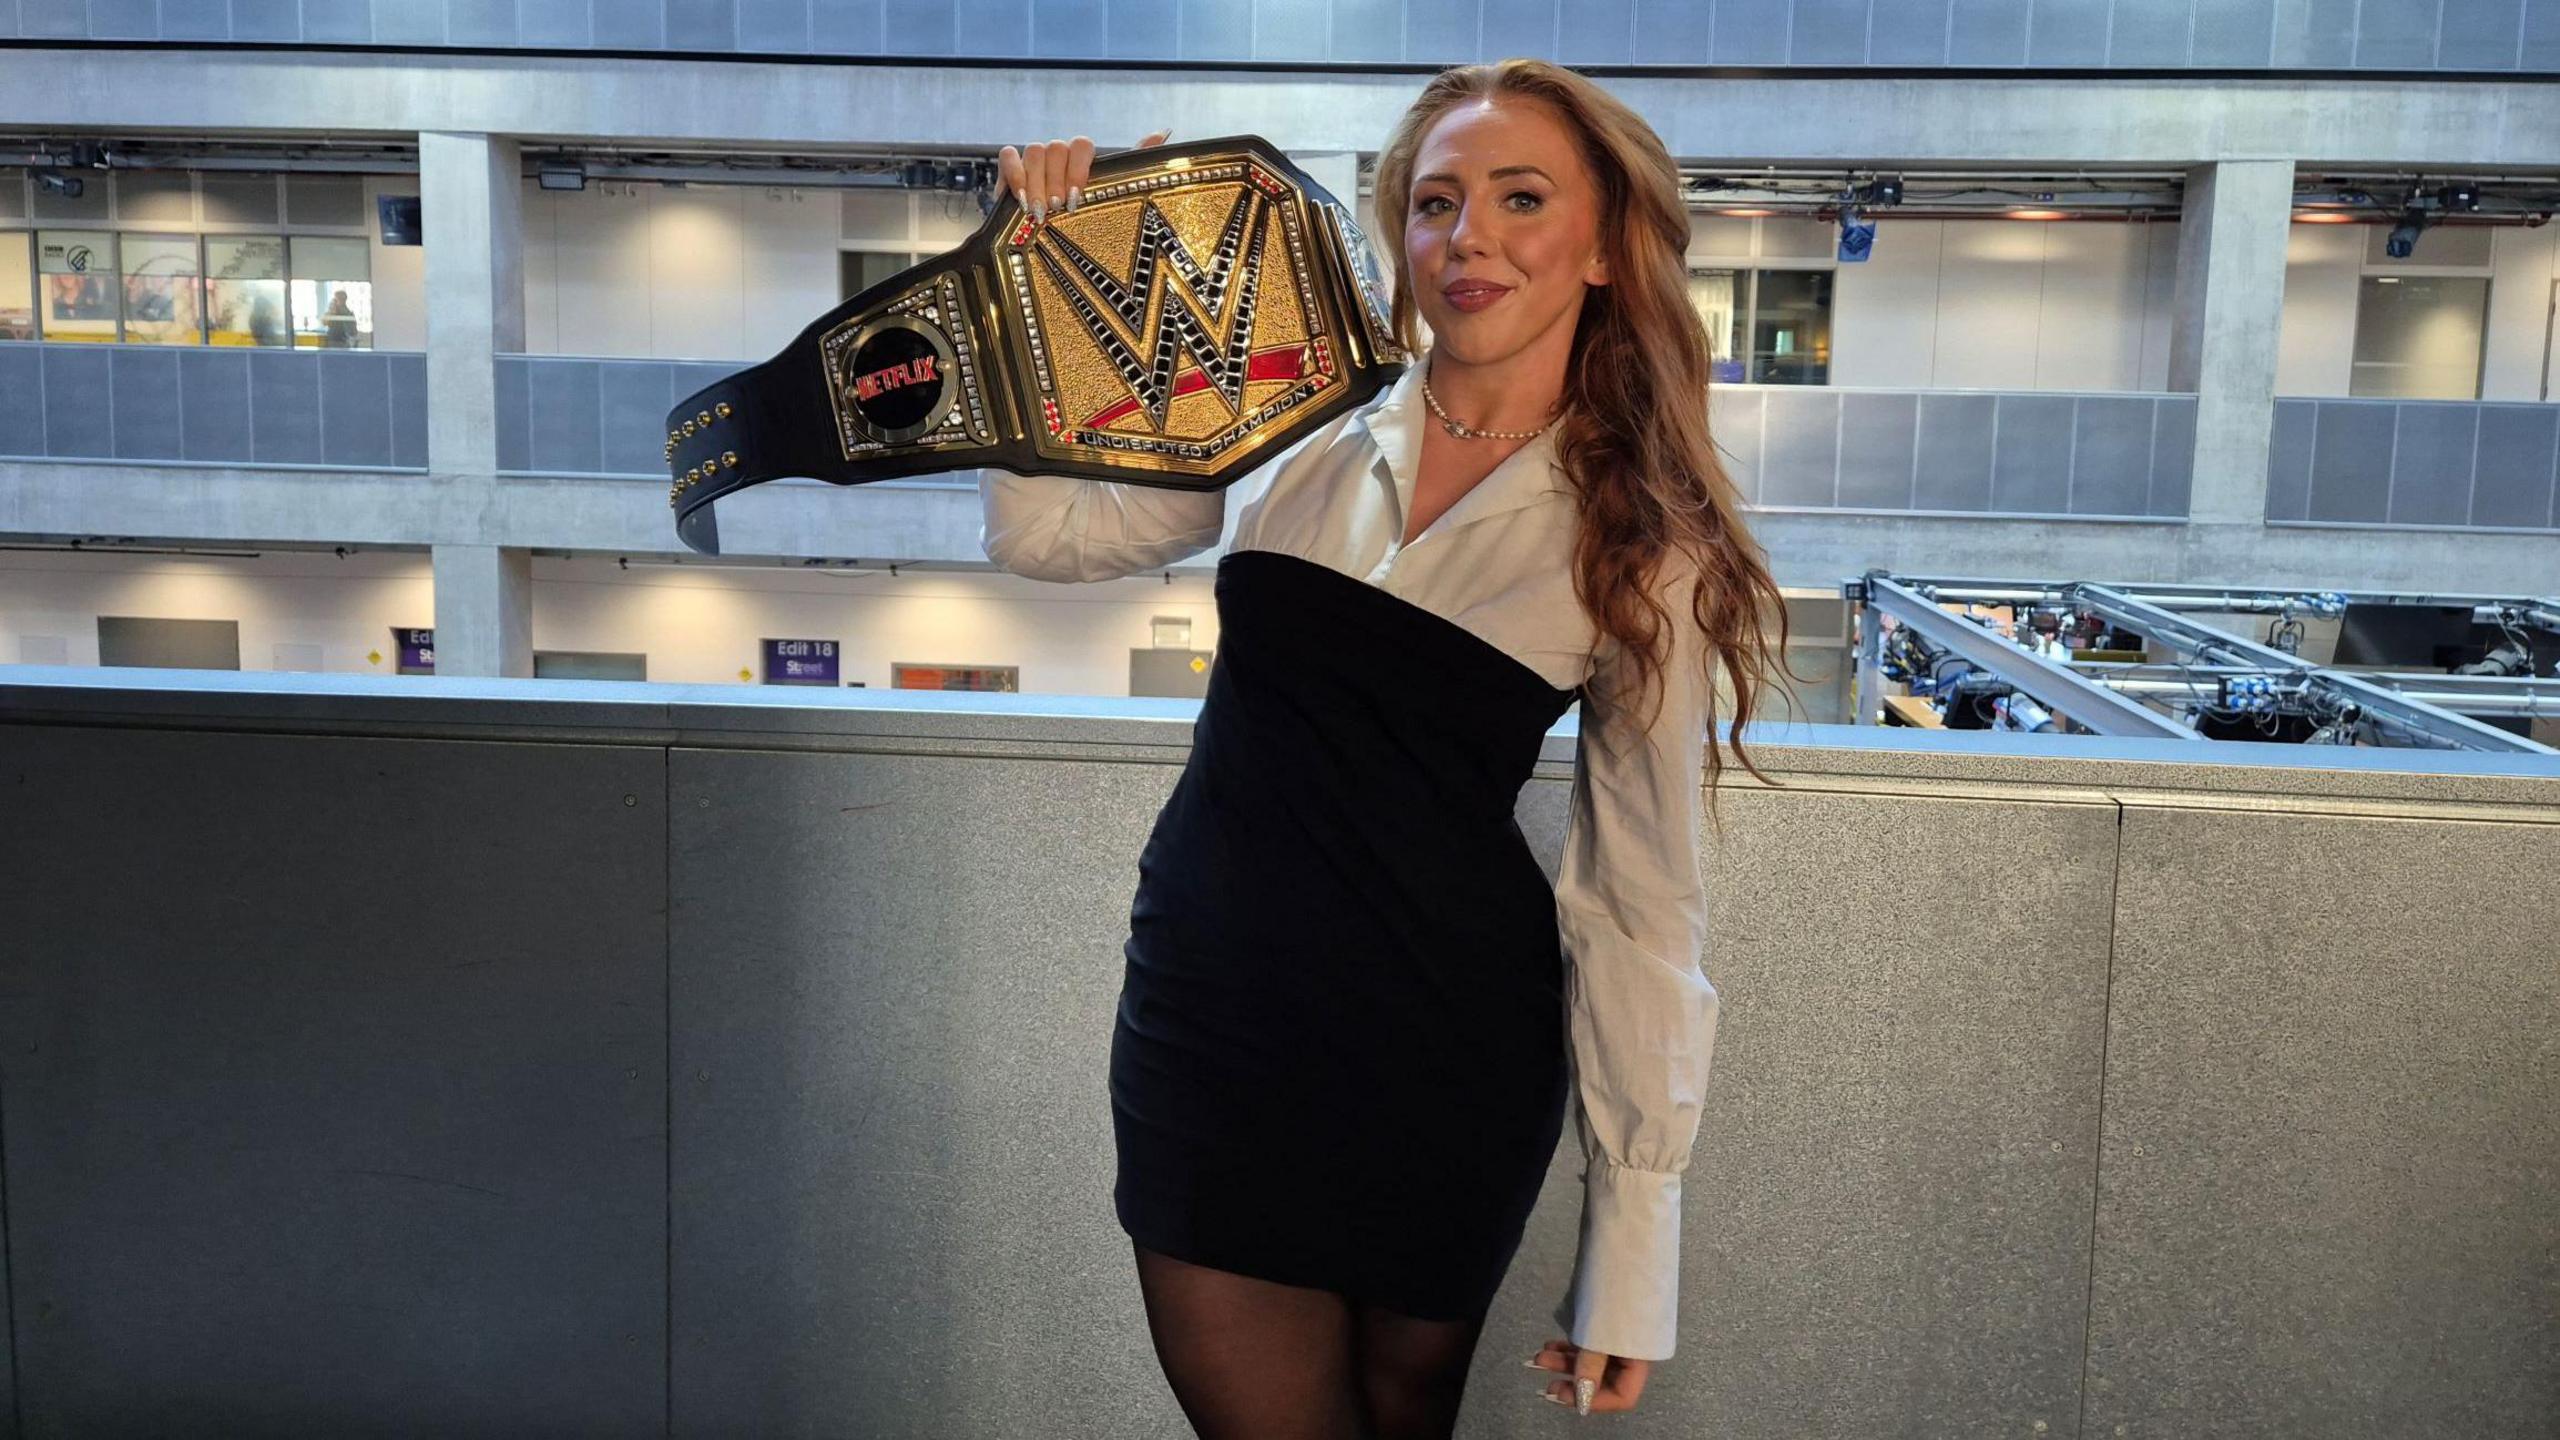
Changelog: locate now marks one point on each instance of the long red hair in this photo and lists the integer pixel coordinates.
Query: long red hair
(1634, 439)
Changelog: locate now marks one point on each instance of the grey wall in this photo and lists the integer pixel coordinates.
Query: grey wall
(2463, 35)
(579, 416)
(500, 1056)
(216, 405)
(2405, 462)
(1958, 451)
(1975, 452)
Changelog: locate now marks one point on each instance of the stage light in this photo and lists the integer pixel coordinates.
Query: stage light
(1857, 236)
(2404, 236)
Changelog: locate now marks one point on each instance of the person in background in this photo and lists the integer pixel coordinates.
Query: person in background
(338, 323)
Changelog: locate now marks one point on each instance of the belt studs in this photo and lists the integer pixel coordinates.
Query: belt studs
(729, 459)
(723, 408)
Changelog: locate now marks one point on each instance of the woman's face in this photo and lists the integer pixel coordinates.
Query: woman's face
(1502, 232)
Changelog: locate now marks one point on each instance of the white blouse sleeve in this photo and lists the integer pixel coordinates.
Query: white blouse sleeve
(1642, 1013)
(1058, 527)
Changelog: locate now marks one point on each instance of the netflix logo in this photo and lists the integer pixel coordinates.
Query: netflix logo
(873, 384)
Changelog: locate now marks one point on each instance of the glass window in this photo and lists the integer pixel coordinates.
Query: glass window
(161, 288)
(1791, 327)
(76, 284)
(17, 284)
(1717, 294)
(332, 293)
(2418, 337)
(1786, 315)
(244, 290)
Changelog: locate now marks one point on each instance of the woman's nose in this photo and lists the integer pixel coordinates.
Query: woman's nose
(1464, 235)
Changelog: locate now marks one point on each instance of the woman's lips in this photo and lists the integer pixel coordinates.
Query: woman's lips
(1474, 295)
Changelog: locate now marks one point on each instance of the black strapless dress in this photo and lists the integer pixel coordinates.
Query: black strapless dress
(1340, 1058)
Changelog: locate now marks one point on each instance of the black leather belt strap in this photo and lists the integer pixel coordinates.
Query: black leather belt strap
(1206, 304)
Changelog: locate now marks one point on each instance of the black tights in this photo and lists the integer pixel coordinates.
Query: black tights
(1256, 1360)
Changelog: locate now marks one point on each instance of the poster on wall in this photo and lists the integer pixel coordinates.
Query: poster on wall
(800, 662)
(416, 647)
(1006, 678)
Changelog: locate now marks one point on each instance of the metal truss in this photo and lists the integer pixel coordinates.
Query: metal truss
(2420, 709)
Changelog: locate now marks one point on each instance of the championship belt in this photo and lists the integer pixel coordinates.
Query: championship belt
(1204, 305)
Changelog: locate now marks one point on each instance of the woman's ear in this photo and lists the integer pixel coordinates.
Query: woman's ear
(1597, 272)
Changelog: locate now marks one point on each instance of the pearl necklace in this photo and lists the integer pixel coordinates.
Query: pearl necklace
(1469, 432)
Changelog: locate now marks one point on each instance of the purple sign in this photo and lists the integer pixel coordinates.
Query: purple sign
(800, 662)
(417, 649)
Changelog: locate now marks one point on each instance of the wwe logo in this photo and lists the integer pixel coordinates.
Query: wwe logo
(1179, 328)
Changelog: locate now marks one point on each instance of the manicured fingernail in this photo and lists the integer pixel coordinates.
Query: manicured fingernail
(1074, 192)
(1582, 1390)
(1532, 1363)
(1551, 1395)
(1039, 212)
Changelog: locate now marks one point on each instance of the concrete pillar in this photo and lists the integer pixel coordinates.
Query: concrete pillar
(484, 610)
(471, 201)
(2223, 328)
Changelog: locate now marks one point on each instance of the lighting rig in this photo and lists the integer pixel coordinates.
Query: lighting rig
(2073, 659)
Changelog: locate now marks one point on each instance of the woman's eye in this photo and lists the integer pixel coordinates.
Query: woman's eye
(1529, 195)
(1428, 202)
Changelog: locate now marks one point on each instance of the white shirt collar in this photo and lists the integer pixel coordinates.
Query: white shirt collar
(1394, 422)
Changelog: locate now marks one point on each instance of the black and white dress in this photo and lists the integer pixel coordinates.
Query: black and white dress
(1354, 1009)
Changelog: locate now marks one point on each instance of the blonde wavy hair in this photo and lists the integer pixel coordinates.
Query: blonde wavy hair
(1634, 440)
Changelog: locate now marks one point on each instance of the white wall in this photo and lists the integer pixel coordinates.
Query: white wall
(695, 623)
(399, 273)
(727, 272)
(734, 272)
(346, 607)
(2323, 268)
(2527, 263)
(706, 272)
(2007, 305)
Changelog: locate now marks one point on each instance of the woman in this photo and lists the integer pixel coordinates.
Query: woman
(1353, 1006)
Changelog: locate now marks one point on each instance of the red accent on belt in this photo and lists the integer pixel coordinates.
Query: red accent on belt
(1279, 362)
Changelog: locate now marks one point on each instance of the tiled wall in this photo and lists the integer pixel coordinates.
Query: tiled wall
(2416, 462)
(568, 415)
(1957, 451)
(341, 409)
(2464, 35)
(2472, 465)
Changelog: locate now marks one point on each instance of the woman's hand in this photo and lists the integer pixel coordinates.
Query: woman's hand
(1620, 1380)
(1048, 177)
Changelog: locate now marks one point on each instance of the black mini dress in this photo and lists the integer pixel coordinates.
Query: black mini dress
(1339, 1058)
